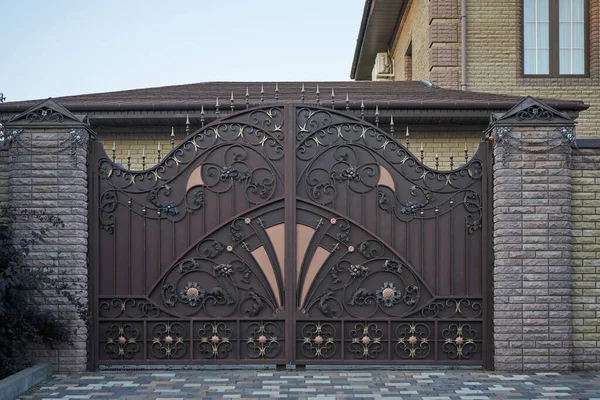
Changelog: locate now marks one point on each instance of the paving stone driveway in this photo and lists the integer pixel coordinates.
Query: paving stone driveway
(318, 384)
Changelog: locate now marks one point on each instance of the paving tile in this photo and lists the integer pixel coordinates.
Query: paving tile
(316, 385)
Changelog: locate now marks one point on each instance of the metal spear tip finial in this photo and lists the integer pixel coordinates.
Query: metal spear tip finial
(202, 109)
(114, 145)
(407, 134)
(217, 103)
(318, 92)
(247, 92)
(187, 119)
(232, 95)
(172, 132)
(376, 109)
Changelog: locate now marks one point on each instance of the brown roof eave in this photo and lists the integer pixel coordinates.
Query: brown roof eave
(361, 38)
(399, 104)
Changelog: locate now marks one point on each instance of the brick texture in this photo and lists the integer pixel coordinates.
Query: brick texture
(586, 259)
(47, 174)
(417, 16)
(533, 251)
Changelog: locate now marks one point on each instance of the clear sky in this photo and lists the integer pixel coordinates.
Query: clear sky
(68, 47)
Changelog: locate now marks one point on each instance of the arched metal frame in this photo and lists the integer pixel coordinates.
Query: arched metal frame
(290, 234)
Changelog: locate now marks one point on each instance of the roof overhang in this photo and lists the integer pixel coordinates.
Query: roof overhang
(378, 28)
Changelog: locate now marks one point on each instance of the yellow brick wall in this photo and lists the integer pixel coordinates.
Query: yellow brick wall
(586, 268)
(137, 143)
(412, 29)
(493, 36)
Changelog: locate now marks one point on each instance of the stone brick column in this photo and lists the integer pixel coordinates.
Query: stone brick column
(48, 172)
(532, 239)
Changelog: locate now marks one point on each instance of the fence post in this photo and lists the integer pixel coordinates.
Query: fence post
(48, 172)
(532, 238)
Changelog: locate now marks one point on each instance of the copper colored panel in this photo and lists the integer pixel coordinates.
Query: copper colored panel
(385, 178)
(303, 236)
(195, 178)
(262, 259)
(276, 235)
(315, 265)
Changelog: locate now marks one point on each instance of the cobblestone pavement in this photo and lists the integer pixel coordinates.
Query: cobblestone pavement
(318, 384)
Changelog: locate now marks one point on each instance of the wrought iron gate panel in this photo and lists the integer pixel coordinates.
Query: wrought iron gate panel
(329, 243)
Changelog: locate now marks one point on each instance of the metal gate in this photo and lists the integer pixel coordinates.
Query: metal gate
(290, 235)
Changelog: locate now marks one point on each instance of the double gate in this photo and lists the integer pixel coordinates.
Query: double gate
(290, 234)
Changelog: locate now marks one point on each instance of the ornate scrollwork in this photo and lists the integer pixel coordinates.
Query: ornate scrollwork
(132, 308)
(472, 203)
(169, 340)
(366, 340)
(44, 114)
(534, 112)
(459, 341)
(195, 296)
(262, 340)
(121, 341)
(318, 340)
(108, 204)
(453, 308)
(215, 340)
(413, 341)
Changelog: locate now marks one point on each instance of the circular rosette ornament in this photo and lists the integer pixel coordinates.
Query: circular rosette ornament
(388, 295)
(192, 294)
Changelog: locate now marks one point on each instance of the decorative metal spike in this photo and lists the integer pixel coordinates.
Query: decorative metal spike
(232, 100)
(144, 157)
(347, 102)
(276, 92)
(114, 151)
(247, 98)
(318, 93)
(451, 160)
(128, 159)
(407, 138)
(158, 152)
(332, 99)
(362, 109)
(437, 161)
(302, 94)
(172, 138)
(466, 154)
(202, 116)
(392, 125)
(377, 116)
(422, 153)
(217, 112)
(262, 93)
(187, 125)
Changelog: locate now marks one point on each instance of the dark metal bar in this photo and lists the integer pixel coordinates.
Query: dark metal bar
(187, 125)
(172, 138)
(362, 109)
(302, 94)
(332, 99)
(158, 152)
(407, 138)
(437, 161)
(247, 98)
(262, 93)
(276, 92)
(232, 101)
(144, 157)
(392, 125)
(377, 116)
(422, 153)
(128, 159)
(217, 111)
(318, 93)
(347, 102)
(114, 152)
(202, 117)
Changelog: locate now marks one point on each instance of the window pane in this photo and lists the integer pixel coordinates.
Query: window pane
(564, 11)
(529, 62)
(543, 36)
(543, 14)
(578, 62)
(529, 33)
(578, 10)
(578, 36)
(564, 33)
(529, 10)
(543, 62)
(565, 62)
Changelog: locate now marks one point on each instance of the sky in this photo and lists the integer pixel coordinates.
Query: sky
(68, 47)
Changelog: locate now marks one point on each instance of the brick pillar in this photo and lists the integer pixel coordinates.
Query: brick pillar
(532, 239)
(48, 172)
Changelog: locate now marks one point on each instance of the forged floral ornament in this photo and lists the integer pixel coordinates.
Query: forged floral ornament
(169, 208)
(388, 295)
(192, 294)
(358, 270)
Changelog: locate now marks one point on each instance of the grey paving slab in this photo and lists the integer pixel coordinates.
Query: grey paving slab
(318, 385)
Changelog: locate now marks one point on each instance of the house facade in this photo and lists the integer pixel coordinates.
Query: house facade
(542, 48)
